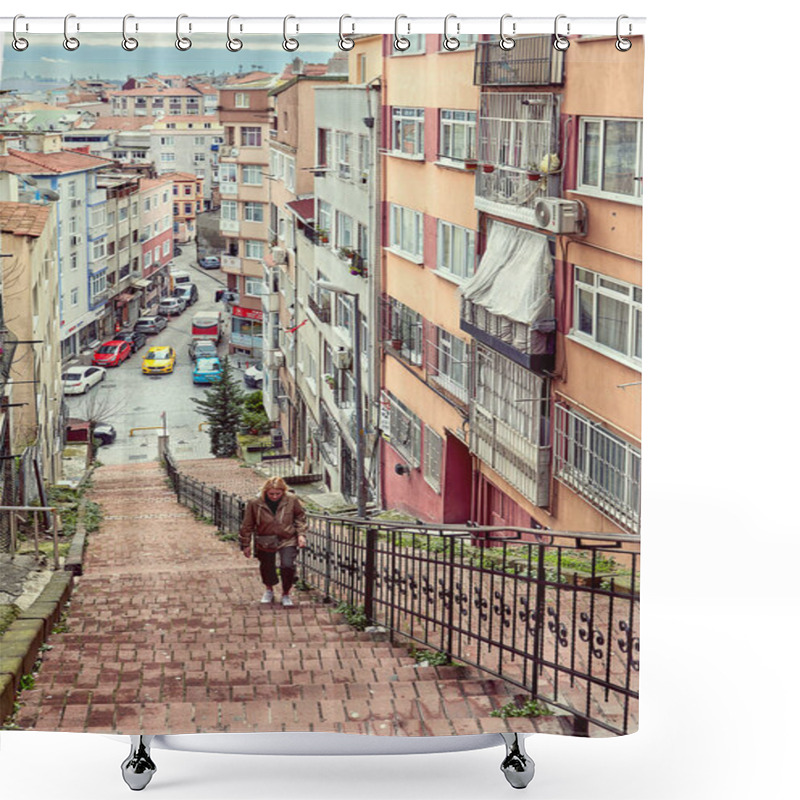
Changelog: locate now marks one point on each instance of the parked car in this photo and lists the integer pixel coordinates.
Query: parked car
(78, 431)
(209, 262)
(150, 324)
(177, 250)
(180, 276)
(207, 370)
(78, 380)
(112, 354)
(134, 338)
(158, 361)
(187, 291)
(254, 377)
(202, 348)
(171, 306)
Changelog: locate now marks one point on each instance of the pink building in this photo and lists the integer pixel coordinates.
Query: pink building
(156, 236)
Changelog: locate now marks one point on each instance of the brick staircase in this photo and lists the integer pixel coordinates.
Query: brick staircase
(165, 634)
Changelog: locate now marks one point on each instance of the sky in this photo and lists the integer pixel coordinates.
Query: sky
(102, 55)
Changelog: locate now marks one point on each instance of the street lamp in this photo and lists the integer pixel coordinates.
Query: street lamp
(360, 485)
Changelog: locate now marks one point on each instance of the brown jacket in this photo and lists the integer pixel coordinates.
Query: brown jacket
(272, 531)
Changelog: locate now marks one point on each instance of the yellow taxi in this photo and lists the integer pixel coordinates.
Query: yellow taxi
(158, 360)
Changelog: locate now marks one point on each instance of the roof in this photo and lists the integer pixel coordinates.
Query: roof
(22, 163)
(145, 184)
(309, 71)
(298, 78)
(303, 208)
(184, 176)
(168, 91)
(123, 123)
(251, 76)
(23, 219)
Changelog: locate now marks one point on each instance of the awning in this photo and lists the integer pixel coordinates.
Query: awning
(123, 298)
(513, 279)
(141, 283)
(304, 209)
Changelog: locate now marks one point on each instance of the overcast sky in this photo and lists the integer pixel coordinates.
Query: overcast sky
(102, 55)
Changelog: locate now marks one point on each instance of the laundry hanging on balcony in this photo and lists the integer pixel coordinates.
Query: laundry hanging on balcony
(510, 294)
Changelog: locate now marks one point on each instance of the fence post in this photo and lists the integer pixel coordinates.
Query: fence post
(328, 559)
(56, 518)
(452, 596)
(370, 574)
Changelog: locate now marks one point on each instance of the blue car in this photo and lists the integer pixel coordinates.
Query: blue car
(207, 370)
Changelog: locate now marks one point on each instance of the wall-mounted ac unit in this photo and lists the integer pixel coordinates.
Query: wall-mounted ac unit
(279, 255)
(556, 215)
(234, 152)
(343, 357)
(275, 359)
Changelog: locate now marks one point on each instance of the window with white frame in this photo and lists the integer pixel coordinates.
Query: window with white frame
(404, 330)
(363, 157)
(344, 312)
(251, 174)
(408, 131)
(455, 250)
(343, 140)
(227, 177)
(457, 134)
(324, 147)
(432, 463)
(73, 297)
(148, 259)
(324, 215)
(405, 430)
(168, 141)
(448, 362)
(405, 231)
(227, 210)
(277, 164)
(254, 212)
(99, 284)
(199, 158)
(600, 465)
(241, 100)
(253, 248)
(168, 158)
(344, 230)
(98, 249)
(610, 158)
(199, 141)
(289, 174)
(254, 287)
(608, 313)
(416, 46)
(251, 136)
(166, 247)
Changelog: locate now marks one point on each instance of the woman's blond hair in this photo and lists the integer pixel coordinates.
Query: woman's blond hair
(274, 483)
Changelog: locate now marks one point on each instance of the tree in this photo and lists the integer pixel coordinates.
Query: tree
(223, 407)
(98, 409)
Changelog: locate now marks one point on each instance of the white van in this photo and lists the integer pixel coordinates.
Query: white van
(180, 276)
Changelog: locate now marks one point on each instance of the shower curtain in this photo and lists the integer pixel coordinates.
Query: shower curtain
(466, 477)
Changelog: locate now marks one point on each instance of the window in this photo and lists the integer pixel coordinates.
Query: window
(455, 250)
(98, 250)
(405, 231)
(251, 174)
(608, 313)
(73, 261)
(363, 157)
(405, 430)
(600, 465)
(289, 176)
(344, 230)
(188, 190)
(148, 259)
(457, 134)
(73, 297)
(241, 100)
(610, 158)
(403, 328)
(432, 465)
(448, 362)
(168, 141)
(199, 158)
(324, 216)
(344, 312)
(227, 177)
(254, 212)
(343, 154)
(167, 158)
(99, 284)
(166, 247)
(416, 47)
(254, 287)
(199, 141)
(251, 137)
(187, 208)
(253, 249)
(408, 131)
(324, 147)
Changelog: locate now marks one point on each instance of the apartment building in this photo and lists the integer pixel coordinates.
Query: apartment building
(150, 101)
(187, 203)
(429, 245)
(123, 257)
(69, 180)
(156, 203)
(30, 315)
(345, 254)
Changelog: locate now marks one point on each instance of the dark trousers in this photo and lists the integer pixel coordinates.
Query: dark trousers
(269, 574)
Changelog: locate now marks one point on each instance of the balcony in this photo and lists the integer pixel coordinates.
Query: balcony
(229, 226)
(231, 263)
(270, 302)
(533, 61)
(322, 312)
(228, 189)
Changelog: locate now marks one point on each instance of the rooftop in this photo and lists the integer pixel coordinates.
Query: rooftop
(23, 219)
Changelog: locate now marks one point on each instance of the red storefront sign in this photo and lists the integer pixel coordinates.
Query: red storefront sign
(248, 313)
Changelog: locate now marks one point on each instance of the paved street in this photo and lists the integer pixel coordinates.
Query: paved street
(134, 400)
(165, 634)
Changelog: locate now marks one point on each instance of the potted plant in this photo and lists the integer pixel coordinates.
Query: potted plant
(331, 381)
(533, 173)
(346, 253)
(323, 235)
(471, 164)
(487, 168)
(397, 344)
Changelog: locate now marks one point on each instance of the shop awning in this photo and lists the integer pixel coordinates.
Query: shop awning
(142, 283)
(304, 209)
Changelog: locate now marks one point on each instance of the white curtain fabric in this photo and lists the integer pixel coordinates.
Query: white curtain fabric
(513, 278)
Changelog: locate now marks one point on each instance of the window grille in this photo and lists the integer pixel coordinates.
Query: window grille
(405, 430)
(447, 361)
(432, 466)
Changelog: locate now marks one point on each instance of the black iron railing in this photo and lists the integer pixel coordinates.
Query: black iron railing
(555, 614)
(532, 62)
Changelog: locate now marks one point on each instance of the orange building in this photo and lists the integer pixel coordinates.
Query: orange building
(187, 203)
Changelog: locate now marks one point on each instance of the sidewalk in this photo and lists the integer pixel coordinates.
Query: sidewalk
(165, 634)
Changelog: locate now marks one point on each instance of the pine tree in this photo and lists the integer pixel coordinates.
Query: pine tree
(223, 407)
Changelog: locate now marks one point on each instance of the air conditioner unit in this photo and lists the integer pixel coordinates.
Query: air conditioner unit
(234, 152)
(276, 359)
(556, 215)
(279, 255)
(343, 357)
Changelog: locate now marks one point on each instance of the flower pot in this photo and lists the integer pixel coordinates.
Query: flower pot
(534, 176)
(471, 165)
(397, 344)
(487, 168)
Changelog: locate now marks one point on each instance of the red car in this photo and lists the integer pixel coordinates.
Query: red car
(112, 354)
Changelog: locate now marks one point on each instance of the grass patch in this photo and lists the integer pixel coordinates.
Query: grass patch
(531, 708)
(355, 616)
(432, 658)
(8, 613)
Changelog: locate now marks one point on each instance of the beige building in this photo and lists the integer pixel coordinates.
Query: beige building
(31, 354)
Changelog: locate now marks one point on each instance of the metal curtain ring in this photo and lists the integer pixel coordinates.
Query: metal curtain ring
(450, 42)
(506, 42)
(128, 42)
(400, 42)
(289, 44)
(623, 45)
(559, 42)
(70, 42)
(183, 43)
(344, 42)
(18, 42)
(234, 45)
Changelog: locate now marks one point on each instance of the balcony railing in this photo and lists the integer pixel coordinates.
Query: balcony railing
(231, 263)
(229, 225)
(533, 61)
(323, 313)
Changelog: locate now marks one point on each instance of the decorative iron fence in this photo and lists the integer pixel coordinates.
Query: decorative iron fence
(555, 614)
